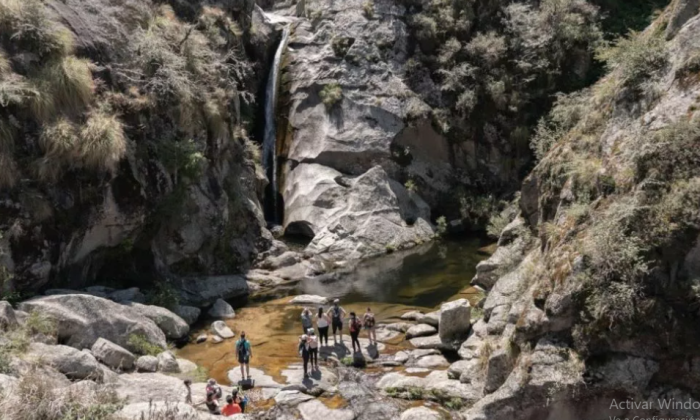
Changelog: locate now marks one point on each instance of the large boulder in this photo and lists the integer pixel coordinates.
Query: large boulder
(113, 355)
(7, 316)
(420, 413)
(132, 294)
(353, 218)
(204, 291)
(172, 325)
(82, 319)
(147, 364)
(455, 321)
(167, 363)
(222, 310)
(73, 363)
(189, 314)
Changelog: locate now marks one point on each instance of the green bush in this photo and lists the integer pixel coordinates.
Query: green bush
(163, 295)
(140, 345)
(341, 45)
(331, 94)
(441, 224)
(635, 58)
(368, 9)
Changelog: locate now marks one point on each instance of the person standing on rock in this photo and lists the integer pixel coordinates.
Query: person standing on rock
(369, 323)
(305, 353)
(322, 322)
(306, 321)
(355, 327)
(313, 348)
(337, 315)
(244, 354)
(188, 386)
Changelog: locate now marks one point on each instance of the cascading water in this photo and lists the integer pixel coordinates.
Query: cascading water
(270, 137)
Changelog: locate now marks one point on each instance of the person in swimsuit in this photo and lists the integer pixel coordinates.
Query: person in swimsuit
(337, 315)
(322, 322)
(369, 324)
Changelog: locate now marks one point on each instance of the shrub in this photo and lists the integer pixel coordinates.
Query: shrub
(38, 323)
(441, 224)
(29, 26)
(341, 45)
(142, 346)
(411, 186)
(368, 9)
(636, 58)
(102, 142)
(498, 222)
(488, 47)
(64, 86)
(331, 94)
(164, 295)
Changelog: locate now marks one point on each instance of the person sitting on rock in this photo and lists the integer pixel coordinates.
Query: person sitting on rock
(240, 399)
(305, 353)
(306, 321)
(231, 407)
(212, 401)
(244, 354)
(214, 387)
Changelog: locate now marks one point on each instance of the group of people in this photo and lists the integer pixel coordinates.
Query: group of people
(334, 318)
(235, 403)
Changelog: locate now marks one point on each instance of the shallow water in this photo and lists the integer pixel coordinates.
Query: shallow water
(422, 279)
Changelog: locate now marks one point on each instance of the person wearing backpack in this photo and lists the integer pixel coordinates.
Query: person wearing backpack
(305, 353)
(244, 354)
(337, 315)
(313, 349)
(355, 327)
(306, 321)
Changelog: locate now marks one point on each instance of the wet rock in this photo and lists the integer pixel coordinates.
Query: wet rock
(189, 314)
(7, 316)
(292, 398)
(147, 364)
(420, 413)
(168, 363)
(322, 381)
(172, 325)
(217, 340)
(412, 315)
(384, 334)
(204, 291)
(221, 329)
(420, 330)
(262, 380)
(73, 363)
(128, 295)
(309, 300)
(455, 322)
(287, 259)
(316, 410)
(82, 319)
(113, 355)
(432, 361)
(222, 310)
(201, 338)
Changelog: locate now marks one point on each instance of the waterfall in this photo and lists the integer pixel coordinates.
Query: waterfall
(270, 138)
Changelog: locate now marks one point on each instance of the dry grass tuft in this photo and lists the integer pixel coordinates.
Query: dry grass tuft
(102, 142)
(31, 28)
(66, 85)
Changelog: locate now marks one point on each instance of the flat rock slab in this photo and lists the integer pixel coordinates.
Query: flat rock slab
(221, 329)
(420, 413)
(145, 387)
(384, 334)
(292, 398)
(431, 318)
(420, 330)
(433, 361)
(431, 342)
(436, 380)
(261, 379)
(343, 348)
(309, 300)
(401, 327)
(316, 410)
(412, 315)
(323, 378)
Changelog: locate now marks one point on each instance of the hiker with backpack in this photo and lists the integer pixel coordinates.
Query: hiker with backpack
(306, 321)
(313, 349)
(369, 324)
(244, 354)
(305, 352)
(355, 327)
(337, 315)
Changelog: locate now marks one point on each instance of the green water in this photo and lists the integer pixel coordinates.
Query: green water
(423, 277)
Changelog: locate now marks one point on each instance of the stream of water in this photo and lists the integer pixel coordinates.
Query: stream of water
(422, 278)
(269, 156)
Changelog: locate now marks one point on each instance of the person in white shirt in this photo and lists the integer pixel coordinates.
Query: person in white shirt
(322, 322)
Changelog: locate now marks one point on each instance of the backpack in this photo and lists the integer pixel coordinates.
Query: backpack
(242, 349)
(355, 325)
(336, 313)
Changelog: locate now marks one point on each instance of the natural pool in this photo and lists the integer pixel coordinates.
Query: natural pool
(422, 278)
